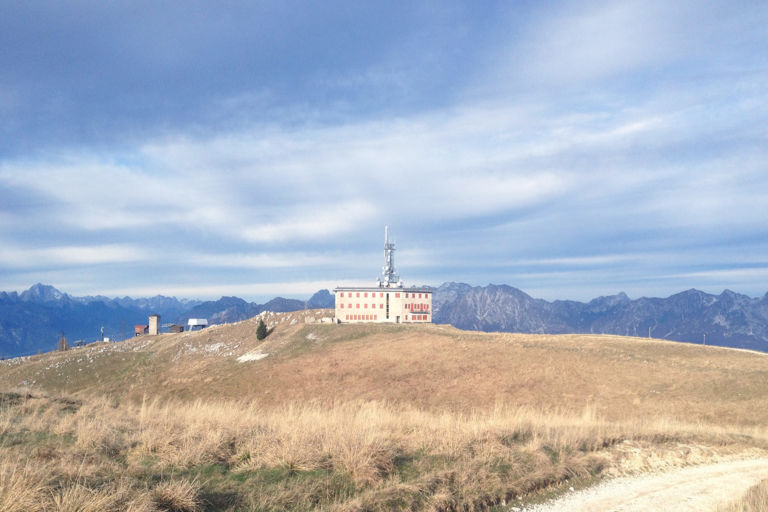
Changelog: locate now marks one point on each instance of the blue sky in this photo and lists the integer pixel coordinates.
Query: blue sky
(200, 149)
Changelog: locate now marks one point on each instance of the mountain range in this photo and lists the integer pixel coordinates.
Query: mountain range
(729, 319)
(34, 319)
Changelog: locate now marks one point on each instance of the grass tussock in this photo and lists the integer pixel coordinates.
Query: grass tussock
(350, 456)
(755, 500)
(176, 496)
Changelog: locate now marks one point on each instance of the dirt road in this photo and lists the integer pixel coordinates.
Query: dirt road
(693, 489)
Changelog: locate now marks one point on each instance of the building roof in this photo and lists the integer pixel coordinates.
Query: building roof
(417, 289)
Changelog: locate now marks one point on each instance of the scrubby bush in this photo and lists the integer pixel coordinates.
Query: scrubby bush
(261, 330)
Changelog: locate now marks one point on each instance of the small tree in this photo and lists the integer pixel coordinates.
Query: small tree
(261, 330)
(62, 345)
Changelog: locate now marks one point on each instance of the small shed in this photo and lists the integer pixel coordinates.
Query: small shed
(176, 328)
(140, 330)
(196, 324)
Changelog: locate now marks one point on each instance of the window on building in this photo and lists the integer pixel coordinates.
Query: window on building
(366, 306)
(358, 305)
(381, 294)
(341, 294)
(397, 295)
(341, 306)
(365, 294)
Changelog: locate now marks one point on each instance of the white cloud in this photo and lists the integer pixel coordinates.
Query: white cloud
(610, 136)
(255, 261)
(590, 41)
(322, 221)
(71, 255)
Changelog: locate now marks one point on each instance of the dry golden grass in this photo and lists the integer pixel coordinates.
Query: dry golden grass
(363, 417)
(432, 367)
(191, 456)
(756, 500)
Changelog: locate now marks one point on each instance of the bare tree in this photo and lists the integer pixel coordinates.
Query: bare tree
(62, 345)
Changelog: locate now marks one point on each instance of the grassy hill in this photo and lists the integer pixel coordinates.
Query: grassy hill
(365, 417)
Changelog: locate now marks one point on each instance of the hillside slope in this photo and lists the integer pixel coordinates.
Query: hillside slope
(353, 418)
(432, 366)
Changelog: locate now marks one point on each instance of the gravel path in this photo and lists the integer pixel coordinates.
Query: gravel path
(692, 489)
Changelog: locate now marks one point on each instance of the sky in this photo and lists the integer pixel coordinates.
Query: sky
(256, 149)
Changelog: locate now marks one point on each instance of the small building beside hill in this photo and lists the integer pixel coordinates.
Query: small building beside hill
(196, 324)
(387, 301)
(140, 330)
(154, 324)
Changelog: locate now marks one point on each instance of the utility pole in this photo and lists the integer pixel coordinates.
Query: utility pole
(705, 338)
(649, 332)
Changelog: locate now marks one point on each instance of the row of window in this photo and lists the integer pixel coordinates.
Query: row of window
(381, 294)
(376, 317)
(410, 307)
(365, 306)
(362, 317)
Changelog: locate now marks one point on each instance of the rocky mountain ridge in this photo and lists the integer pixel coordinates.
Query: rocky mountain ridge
(729, 319)
(32, 320)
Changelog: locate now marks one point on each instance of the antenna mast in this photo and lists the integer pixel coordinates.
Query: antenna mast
(389, 275)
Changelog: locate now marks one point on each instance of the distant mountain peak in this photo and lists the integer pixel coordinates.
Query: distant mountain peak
(41, 293)
(619, 298)
(321, 299)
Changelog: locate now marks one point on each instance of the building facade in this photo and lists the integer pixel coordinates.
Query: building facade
(154, 325)
(387, 301)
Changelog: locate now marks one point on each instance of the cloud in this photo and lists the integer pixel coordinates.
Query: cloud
(64, 256)
(255, 261)
(586, 146)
